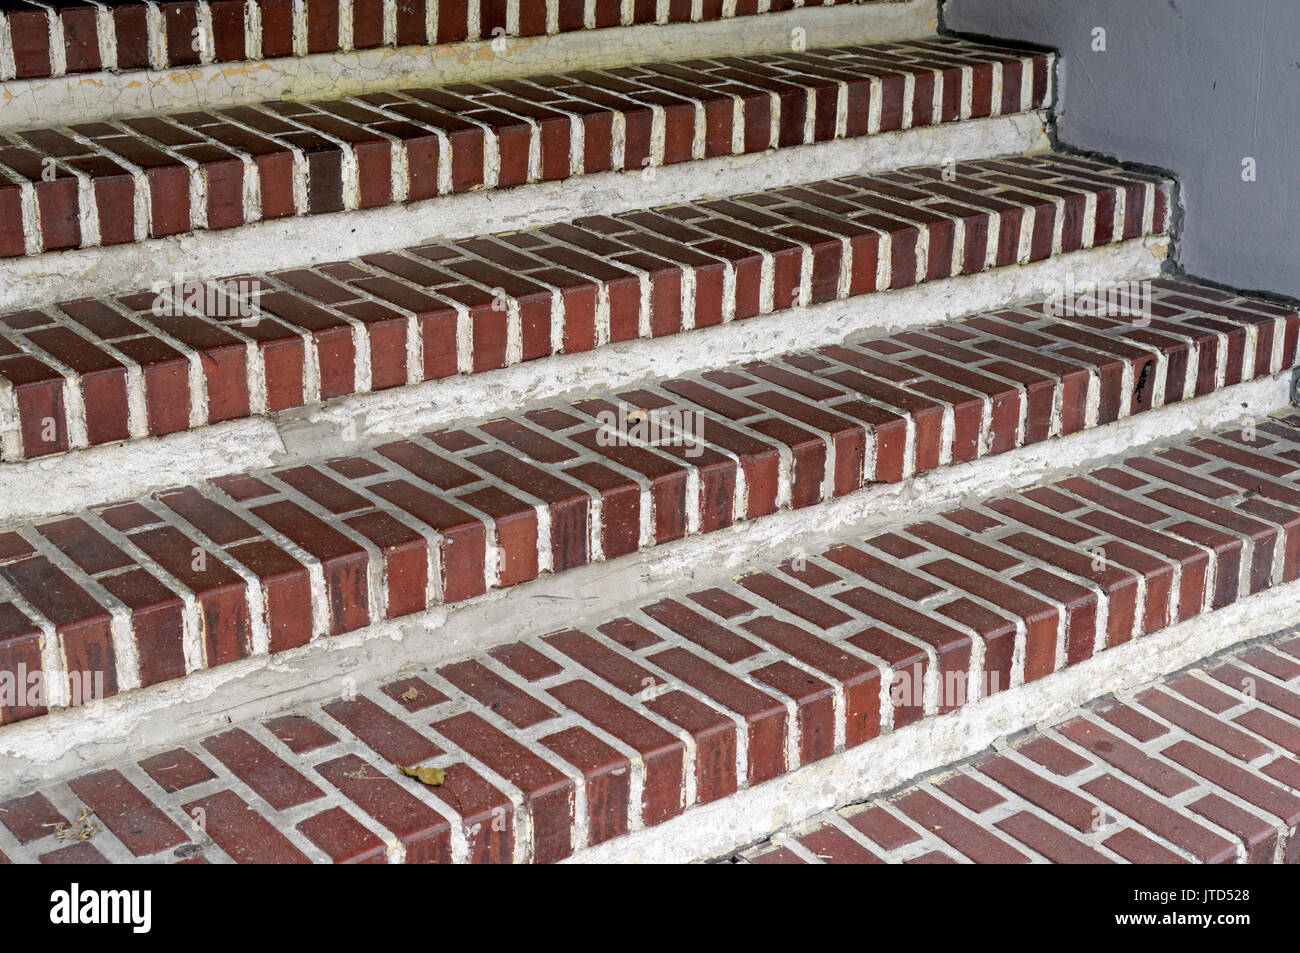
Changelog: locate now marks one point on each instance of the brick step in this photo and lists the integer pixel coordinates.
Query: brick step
(261, 563)
(1195, 768)
(39, 40)
(95, 371)
(212, 83)
(577, 737)
(120, 182)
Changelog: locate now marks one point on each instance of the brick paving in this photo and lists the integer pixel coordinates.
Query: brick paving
(573, 738)
(228, 32)
(93, 371)
(257, 563)
(278, 159)
(1196, 768)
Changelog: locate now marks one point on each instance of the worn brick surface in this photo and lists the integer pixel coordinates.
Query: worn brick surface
(571, 737)
(228, 34)
(1080, 792)
(93, 371)
(255, 564)
(330, 155)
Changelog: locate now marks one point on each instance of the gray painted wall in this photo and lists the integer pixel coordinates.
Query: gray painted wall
(1193, 86)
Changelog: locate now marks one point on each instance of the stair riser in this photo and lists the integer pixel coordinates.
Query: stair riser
(884, 763)
(40, 747)
(303, 240)
(114, 471)
(220, 80)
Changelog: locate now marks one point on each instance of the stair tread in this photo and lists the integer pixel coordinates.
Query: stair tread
(336, 155)
(442, 517)
(784, 665)
(1093, 789)
(142, 42)
(130, 366)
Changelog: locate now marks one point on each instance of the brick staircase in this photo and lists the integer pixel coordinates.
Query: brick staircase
(668, 428)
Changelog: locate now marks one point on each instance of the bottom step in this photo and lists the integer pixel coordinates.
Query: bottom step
(557, 744)
(1192, 768)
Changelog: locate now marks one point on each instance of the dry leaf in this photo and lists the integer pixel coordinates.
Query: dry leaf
(411, 694)
(430, 776)
(83, 828)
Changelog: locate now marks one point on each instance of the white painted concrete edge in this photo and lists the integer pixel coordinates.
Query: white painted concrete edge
(78, 739)
(103, 95)
(80, 478)
(889, 761)
(32, 281)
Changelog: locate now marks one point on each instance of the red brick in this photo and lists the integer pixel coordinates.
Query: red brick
(976, 843)
(299, 733)
(176, 770)
(1159, 818)
(764, 716)
(344, 562)
(271, 778)
(490, 689)
(663, 756)
(127, 812)
(241, 832)
(833, 846)
(606, 780)
(422, 832)
(31, 817)
(385, 734)
(548, 794)
(343, 838)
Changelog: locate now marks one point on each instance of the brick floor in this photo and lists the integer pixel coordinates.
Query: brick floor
(384, 148)
(194, 577)
(1198, 767)
(93, 371)
(570, 739)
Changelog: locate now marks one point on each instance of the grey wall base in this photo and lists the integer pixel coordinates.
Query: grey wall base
(1197, 87)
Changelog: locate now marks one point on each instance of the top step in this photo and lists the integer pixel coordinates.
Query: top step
(119, 182)
(63, 37)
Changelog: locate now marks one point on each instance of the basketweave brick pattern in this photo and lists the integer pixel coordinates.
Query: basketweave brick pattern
(257, 563)
(575, 737)
(1197, 768)
(93, 371)
(58, 39)
(112, 182)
